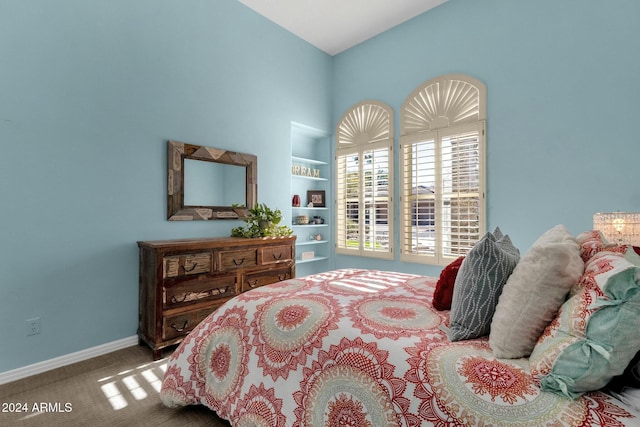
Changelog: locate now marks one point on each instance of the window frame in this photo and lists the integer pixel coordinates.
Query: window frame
(440, 108)
(356, 135)
(438, 257)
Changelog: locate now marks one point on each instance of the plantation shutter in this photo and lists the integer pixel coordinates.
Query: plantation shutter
(441, 193)
(461, 190)
(419, 197)
(348, 202)
(375, 199)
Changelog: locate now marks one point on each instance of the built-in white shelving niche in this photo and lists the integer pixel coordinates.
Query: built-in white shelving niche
(311, 171)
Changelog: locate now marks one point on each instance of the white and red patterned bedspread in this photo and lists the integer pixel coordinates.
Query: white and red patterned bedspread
(359, 348)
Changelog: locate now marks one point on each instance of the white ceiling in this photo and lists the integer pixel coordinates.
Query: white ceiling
(337, 25)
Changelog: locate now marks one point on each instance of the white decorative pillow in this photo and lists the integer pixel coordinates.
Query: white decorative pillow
(534, 292)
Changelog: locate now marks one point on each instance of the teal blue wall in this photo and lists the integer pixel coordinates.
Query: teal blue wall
(90, 92)
(563, 83)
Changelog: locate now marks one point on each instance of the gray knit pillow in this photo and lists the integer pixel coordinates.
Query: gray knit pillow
(478, 285)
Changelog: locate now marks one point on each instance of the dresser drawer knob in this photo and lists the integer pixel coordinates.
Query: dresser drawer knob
(236, 262)
(176, 300)
(278, 256)
(282, 277)
(195, 264)
(184, 326)
(252, 284)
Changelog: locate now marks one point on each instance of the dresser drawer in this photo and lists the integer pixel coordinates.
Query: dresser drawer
(181, 324)
(186, 264)
(255, 280)
(235, 259)
(276, 254)
(193, 291)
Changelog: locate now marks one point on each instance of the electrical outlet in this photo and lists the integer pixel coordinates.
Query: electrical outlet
(33, 326)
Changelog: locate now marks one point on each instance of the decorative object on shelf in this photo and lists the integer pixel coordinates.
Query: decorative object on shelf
(295, 202)
(302, 219)
(318, 236)
(318, 220)
(619, 227)
(317, 197)
(307, 255)
(262, 221)
(305, 171)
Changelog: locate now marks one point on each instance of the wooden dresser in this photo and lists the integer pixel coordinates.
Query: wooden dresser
(183, 281)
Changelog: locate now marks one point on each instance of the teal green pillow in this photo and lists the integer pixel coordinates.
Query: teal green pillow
(478, 286)
(595, 335)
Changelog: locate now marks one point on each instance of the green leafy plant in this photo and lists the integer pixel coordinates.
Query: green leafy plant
(262, 221)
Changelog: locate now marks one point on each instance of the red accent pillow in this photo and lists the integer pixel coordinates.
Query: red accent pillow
(443, 293)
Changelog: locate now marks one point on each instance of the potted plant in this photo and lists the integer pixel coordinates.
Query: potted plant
(262, 221)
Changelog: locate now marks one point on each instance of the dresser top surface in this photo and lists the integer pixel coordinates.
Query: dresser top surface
(215, 241)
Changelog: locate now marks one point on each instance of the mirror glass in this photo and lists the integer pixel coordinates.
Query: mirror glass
(214, 184)
(204, 183)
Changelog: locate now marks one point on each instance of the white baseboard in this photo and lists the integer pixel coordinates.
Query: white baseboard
(67, 359)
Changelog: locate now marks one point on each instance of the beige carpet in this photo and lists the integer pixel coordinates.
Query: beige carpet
(117, 389)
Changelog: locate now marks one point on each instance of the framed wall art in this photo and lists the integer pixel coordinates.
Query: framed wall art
(317, 197)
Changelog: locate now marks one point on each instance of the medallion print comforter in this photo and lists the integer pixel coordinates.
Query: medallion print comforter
(359, 348)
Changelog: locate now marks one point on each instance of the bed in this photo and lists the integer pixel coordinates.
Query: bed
(354, 347)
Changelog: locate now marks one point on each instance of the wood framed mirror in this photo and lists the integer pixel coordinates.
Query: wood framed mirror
(205, 183)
